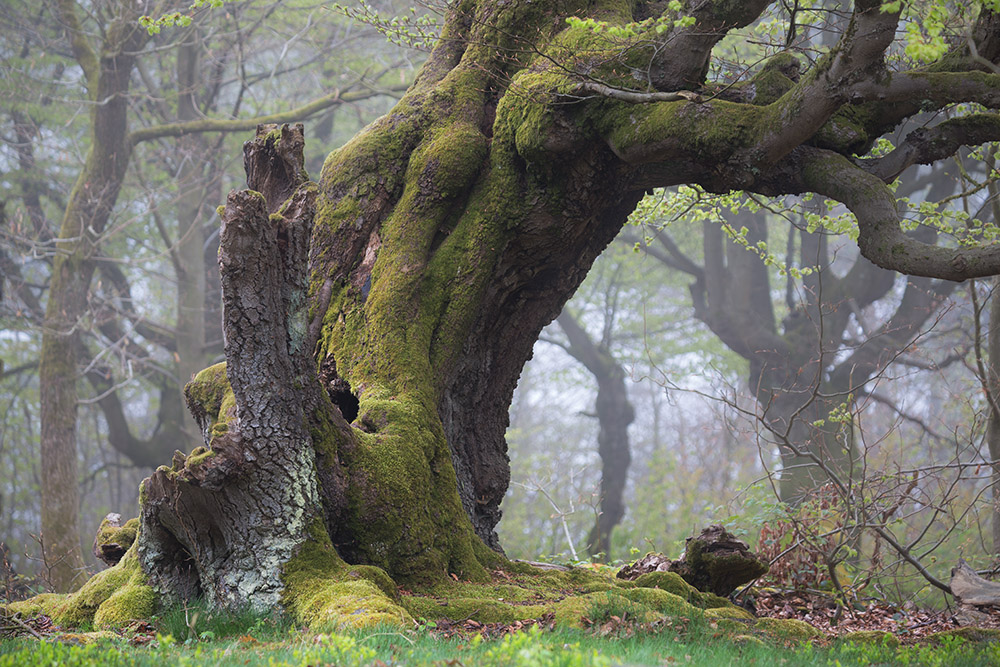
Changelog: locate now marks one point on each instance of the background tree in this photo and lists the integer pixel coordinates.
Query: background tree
(839, 328)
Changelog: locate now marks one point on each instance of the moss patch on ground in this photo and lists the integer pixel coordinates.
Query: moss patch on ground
(110, 599)
(579, 597)
(787, 628)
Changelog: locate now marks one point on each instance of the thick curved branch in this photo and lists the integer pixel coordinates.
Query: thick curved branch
(744, 138)
(813, 101)
(928, 90)
(241, 124)
(685, 61)
(880, 237)
(928, 145)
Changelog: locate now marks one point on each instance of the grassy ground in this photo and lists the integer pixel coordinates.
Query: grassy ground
(185, 638)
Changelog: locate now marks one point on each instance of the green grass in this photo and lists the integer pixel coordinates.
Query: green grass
(196, 622)
(266, 641)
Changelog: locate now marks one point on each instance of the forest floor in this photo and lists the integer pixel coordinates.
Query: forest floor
(182, 638)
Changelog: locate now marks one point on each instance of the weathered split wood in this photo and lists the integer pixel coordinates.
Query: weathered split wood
(969, 588)
(222, 521)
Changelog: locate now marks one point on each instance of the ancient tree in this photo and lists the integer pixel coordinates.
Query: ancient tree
(360, 418)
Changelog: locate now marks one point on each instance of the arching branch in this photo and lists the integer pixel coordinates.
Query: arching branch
(880, 237)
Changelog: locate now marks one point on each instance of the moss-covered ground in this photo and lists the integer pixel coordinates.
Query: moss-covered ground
(522, 617)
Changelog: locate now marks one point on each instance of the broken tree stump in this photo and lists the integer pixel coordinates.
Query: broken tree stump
(714, 561)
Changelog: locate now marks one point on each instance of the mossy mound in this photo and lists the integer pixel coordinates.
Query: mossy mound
(577, 598)
(729, 612)
(113, 540)
(324, 592)
(667, 581)
(40, 604)
(970, 633)
(478, 609)
(581, 611)
(110, 599)
(347, 605)
(123, 536)
(871, 637)
(787, 628)
(747, 640)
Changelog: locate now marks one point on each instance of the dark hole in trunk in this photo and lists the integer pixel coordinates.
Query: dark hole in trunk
(341, 396)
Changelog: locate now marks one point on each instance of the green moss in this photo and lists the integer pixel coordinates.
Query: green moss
(787, 628)
(579, 611)
(769, 85)
(120, 535)
(109, 599)
(478, 609)
(848, 132)
(206, 392)
(705, 132)
(662, 601)
(330, 604)
(198, 456)
(668, 581)
(45, 603)
(747, 640)
(871, 637)
(126, 604)
(571, 611)
(321, 591)
(709, 600)
(375, 575)
(972, 634)
(729, 612)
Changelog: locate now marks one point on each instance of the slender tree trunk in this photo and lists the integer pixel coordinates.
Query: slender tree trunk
(614, 414)
(87, 213)
(993, 426)
(190, 255)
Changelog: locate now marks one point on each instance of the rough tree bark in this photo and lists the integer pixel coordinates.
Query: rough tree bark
(107, 71)
(450, 231)
(260, 472)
